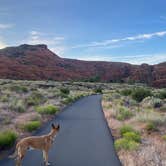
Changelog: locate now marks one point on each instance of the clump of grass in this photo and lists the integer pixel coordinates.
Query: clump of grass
(7, 139)
(68, 100)
(133, 136)
(126, 92)
(98, 90)
(125, 129)
(152, 102)
(126, 144)
(139, 94)
(35, 98)
(163, 109)
(65, 91)
(130, 139)
(5, 98)
(151, 116)
(164, 137)
(162, 94)
(17, 105)
(150, 127)
(31, 126)
(123, 114)
(48, 109)
(19, 89)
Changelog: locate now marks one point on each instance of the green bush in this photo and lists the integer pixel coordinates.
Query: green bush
(126, 144)
(65, 91)
(134, 136)
(98, 90)
(31, 126)
(162, 94)
(123, 114)
(164, 137)
(68, 100)
(130, 139)
(126, 92)
(157, 102)
(17, 105)
(139, 94)
(5, 98)
(150, 126)
(49, 109)
(126, 128)
(7, 139)
(36, 98)
(19, 89)
(163, 109)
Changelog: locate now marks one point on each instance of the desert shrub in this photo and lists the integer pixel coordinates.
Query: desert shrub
(126, 92)
(31, 126)
(164, 137)
(68, 100)
(157, 103)
(134, 136)
(116, 96)
(63, 95)
(151, 116)
(5, 98)
(123, 113)
(133, 102)
(151, 102)
(139, 94)
(35, 98)
(65, 91)
(48, 109)
(98, 90)
(130, 139)
(125, 144)
(7, 139)
(126, 128)
(162, 94)
(19, 89)
(17, 105)
(150, 126)
(163, 108)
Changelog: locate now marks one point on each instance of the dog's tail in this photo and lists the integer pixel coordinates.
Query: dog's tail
(14, 155)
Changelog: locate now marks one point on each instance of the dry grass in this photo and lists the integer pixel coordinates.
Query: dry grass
(152, 150)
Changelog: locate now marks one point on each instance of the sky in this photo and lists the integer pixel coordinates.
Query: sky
(132, 31)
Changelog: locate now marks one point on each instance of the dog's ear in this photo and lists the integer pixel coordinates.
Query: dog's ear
(53, 126)
(58, 127)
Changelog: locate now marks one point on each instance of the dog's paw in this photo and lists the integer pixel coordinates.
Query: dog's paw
(48, 163)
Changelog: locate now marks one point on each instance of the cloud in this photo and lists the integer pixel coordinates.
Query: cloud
(2, 45)
(107, 43)
(6, 26)
(55, 43)
(150, 59)
(136, 59)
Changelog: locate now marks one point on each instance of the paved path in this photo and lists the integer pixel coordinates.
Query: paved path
(84, 138)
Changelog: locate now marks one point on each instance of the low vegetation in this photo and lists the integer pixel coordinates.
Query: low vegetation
(47, 109)
(26, 105)
(136, 116)
(31, 126)
(7, 139)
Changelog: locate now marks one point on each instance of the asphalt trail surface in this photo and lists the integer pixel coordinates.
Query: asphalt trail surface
(84, 138)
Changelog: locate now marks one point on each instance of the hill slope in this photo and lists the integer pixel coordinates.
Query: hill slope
(37, 62)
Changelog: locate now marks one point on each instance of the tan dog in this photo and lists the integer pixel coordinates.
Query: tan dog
(43, 143)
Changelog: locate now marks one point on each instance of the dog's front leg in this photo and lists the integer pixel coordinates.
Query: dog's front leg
(45, 156)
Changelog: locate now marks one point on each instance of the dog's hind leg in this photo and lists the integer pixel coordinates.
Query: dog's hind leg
(18, 161)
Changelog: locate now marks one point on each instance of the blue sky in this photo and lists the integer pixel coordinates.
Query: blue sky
(131, 31)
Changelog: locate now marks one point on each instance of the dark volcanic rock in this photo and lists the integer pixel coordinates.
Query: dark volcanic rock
(37, 62)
